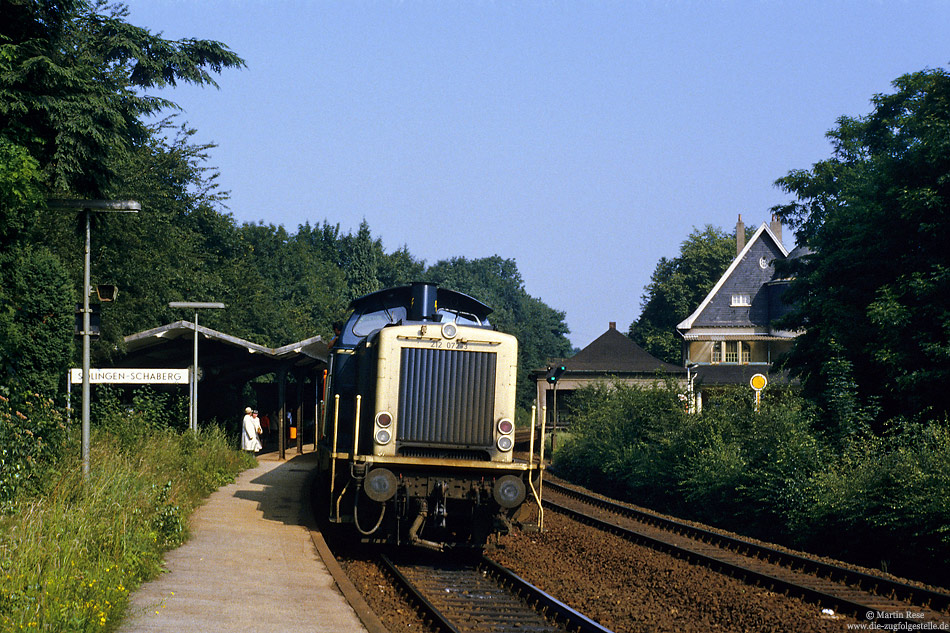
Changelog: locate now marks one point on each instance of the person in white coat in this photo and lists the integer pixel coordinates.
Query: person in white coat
(251, 432)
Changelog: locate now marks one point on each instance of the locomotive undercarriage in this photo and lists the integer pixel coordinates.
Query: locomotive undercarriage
(435, 511)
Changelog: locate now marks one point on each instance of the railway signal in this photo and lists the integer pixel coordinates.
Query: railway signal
(554, 373)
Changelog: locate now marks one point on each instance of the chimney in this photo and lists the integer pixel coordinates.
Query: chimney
(776, 226)
(740, 235)
(613, 325)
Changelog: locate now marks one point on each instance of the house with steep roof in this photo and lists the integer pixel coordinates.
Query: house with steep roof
(611, 357)
(732, 335)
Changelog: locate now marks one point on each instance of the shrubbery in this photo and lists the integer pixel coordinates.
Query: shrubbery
(32, 438)
(881, 501)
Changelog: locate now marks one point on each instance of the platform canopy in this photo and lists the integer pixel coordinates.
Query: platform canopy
(221, 357)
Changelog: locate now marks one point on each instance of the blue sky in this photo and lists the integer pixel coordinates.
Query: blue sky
(584, 140)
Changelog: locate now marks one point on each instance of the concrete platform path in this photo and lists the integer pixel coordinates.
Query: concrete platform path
(250, 565)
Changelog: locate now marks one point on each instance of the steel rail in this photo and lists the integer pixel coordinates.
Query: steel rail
(486, 597)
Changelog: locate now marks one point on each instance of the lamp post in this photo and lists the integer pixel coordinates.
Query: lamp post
(88, 207)
(193, 406)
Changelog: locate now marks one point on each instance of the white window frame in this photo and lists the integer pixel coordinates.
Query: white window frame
(741, 300)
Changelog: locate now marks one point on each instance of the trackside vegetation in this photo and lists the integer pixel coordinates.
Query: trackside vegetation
(71, 552)
(881, 500)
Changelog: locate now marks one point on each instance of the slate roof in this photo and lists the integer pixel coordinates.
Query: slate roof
(751, 273)
(614, 353)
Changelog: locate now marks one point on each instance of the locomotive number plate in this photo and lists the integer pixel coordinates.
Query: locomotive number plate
(449, 345)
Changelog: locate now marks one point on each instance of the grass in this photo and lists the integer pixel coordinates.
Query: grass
(70, 557)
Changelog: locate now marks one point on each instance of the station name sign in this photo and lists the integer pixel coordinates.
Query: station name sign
(133, 376)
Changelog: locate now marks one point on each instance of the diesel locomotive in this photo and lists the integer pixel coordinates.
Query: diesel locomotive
(416, 439)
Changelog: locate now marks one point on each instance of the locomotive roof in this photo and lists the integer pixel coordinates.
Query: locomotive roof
(402, 296)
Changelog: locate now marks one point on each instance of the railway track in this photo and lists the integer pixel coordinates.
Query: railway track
(865, 596)
(480, 596)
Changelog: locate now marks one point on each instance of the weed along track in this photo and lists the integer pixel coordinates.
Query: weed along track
(831, 586)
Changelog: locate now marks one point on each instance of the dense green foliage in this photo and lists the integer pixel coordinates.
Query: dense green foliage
(71, 125)
(35, 296)
(876, 290)
(71, 79)
(880, 501)
(32, 439)
(71, 554)
(677, 287)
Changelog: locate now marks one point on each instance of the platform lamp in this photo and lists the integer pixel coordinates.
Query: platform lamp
(193, 405)
(88, 207)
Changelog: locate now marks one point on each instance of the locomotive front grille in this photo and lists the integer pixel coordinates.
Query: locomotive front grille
(446, 397)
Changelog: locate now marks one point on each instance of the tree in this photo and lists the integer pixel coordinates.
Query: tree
(35, 299)
(72, 109)
(360, 255)
(677, 287)
(876, 214)
(307, 287)
(71, 76)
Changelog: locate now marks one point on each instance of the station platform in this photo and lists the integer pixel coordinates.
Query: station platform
(254, 563)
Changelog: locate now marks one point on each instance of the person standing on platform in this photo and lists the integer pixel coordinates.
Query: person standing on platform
(265, 424)
(250, 433)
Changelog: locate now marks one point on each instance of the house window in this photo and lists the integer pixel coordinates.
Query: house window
(732, 352)
(741, 300)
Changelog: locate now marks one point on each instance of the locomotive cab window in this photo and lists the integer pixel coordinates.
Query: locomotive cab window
(372, 321)
(462, 318)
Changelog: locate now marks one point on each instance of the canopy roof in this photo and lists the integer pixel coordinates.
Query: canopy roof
(221, 356)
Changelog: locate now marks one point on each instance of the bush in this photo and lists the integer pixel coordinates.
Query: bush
(749, 470)
(886, 501)
(876, 500)
(621, 439)
(32, 438)
(149, 411)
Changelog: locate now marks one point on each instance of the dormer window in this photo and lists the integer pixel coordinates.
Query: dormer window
(741, 300)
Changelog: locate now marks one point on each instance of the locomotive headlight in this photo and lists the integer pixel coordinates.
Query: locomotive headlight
(505, 442)
(449, 330)
(383, 436)
(509, 491)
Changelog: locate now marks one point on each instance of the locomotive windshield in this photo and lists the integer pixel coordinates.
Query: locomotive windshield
(369, 322)
(375, 311)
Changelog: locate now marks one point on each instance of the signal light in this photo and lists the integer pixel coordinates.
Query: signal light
(555, 373)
